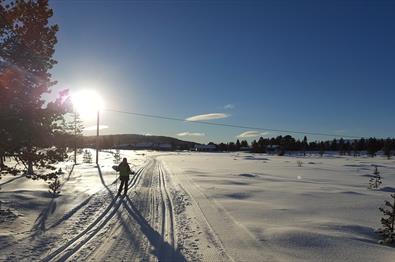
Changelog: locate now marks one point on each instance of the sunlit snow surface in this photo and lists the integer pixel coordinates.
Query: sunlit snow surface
(260, 206)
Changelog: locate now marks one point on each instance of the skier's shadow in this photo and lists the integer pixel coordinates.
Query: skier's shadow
(103, 182)
(163, 250)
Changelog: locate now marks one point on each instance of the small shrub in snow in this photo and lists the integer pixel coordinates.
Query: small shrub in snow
(375, 181)
(321, 152)
(388, 221)
(117, 157)
(87, 158)
(300, 163)
(54, 187)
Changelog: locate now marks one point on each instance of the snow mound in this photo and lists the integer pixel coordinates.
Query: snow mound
(300, 239)
(388, 189)
(248, 175)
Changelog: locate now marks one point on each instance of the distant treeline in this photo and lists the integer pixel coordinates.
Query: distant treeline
(122, 141)
(281, 144)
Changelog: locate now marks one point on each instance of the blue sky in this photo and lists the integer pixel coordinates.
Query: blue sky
(318, 66)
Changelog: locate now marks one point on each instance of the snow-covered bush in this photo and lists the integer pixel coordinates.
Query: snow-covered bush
(388, 221)
(117, 157)
(87, 157)
(54, 187)
(375, 181)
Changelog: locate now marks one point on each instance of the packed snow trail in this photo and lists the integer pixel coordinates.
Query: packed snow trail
(142, 226)
(162, 218)
(73, 245)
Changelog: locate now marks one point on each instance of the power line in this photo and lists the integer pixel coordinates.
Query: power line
(231, 125)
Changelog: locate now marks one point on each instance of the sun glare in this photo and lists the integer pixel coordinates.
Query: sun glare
(87, 103)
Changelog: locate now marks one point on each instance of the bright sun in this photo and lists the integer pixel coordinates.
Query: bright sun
(87, 103)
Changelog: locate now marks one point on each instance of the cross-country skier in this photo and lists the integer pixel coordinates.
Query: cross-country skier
(124, 172)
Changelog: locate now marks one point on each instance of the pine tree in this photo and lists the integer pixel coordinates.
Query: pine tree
(341, 147)
(304, 145)
(375, 181)
(237, 145)
(29, 124)
(372, 147)
(322, 149)
(244, 143)
(75, 129)
(387, 148)
(54, 187)
(388, 221)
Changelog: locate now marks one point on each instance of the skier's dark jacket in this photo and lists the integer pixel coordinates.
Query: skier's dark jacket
(124, 169)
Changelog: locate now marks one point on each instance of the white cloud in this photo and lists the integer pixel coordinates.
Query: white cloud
(229, 106)
(190, 134)
(207, 117)
(252, 134)
(91, 128)
(148, 134)
(340, 131)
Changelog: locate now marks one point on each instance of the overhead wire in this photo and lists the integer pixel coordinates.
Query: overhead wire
(287, 131)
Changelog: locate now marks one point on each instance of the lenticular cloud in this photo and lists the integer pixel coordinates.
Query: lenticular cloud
(190, 134)
(252, 134)
(207, 117)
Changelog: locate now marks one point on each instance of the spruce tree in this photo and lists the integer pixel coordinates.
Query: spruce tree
(322, 149)
(372, 147)
(388, 221)
(387, 148)
(244, 143)
(29, 124)
(375, 181)
(237, 145)
(304, 145)
(117, 157)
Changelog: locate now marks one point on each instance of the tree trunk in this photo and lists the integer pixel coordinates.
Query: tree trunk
(30, 168)
(75, 137)
(393, 215)
(1, 160)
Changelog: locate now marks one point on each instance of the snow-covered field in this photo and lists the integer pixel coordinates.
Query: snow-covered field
(201, 207)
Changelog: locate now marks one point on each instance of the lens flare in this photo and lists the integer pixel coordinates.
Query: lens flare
(87, 103)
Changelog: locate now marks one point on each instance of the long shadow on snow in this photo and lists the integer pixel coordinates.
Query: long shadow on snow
(155, 239)
(11, 180)
(91, 230)
(86, 201)
(39, 224)
(102, 181)
(100, 222)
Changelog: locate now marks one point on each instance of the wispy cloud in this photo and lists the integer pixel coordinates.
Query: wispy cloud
(91, 128)
(229, 106)
(250, 134)
(190, 134)
(207, 117)
(340, 131)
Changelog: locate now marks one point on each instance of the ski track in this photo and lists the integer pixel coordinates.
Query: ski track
(146, 227)
(135, 238)
(73, 245)
(167, 215)
(158, 220)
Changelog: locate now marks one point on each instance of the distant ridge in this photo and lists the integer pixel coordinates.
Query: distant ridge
(131, 140)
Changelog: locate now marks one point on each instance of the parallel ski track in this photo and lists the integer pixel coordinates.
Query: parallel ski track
(72, 246)
(168, 228)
